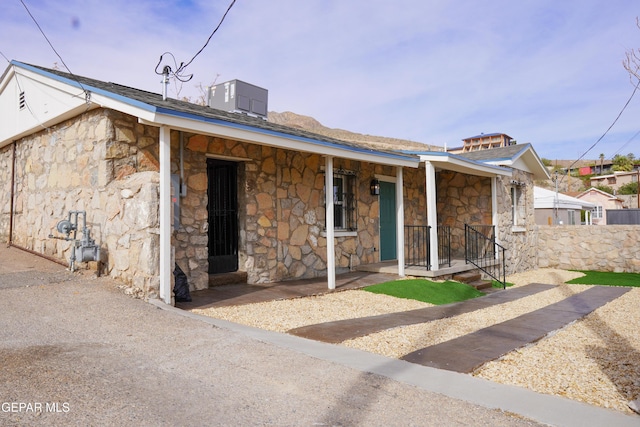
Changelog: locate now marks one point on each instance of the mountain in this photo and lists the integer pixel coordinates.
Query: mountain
(310, 124)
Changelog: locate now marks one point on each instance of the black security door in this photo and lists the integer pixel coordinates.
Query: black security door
(223, 216)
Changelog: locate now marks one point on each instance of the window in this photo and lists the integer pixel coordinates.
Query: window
(611, 180)
(571, 217)
(518, 206)
(596, 213)
(344, 202)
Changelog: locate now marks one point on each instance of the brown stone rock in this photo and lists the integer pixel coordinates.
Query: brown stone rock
(198, 182)
(269, 166)
(299, 235)
(264, 200)
(198, 143)
(264, 221)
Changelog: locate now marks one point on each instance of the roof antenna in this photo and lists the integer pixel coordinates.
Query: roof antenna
(165, 81)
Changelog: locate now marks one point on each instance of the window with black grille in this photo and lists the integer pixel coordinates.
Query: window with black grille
(344, 202)
(22, 103)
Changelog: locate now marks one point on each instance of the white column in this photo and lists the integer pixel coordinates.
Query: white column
(432, 214)
(328, 194)
(494, 209)
(166, 269)
(399, 221)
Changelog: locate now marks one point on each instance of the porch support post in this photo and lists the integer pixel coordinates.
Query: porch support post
(165, 215)
(432, 214)
(328, 194)
(400, 221)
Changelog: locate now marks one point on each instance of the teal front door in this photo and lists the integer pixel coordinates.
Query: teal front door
(387, 221)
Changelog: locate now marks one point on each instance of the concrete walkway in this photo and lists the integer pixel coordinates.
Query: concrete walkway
(466, 353)
(341, 330)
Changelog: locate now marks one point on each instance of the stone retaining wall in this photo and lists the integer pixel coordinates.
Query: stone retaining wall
(590, 247)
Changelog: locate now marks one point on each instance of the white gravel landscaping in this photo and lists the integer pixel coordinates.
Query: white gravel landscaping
(595, 360)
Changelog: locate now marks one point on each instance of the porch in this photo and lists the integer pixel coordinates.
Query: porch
(480, 251)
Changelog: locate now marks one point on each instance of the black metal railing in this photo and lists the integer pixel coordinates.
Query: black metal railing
(481, 250)
(416, 243)
(444, 245)
(418, 246)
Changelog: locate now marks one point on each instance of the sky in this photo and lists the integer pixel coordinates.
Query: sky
(547, 72)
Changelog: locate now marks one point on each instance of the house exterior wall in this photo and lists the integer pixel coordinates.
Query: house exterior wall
(281, 211)
(546, 216)
(462, 199)
(611, 248)
(599, 199)
(101, 162)
(6, 166)
(520, 241)
(106, 163)
(615, 180)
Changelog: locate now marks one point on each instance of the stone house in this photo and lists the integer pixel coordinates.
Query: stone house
(163, 182)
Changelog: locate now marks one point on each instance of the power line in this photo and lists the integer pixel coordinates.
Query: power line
(625, 144)
(182, 67)
(177, 73)
(607, 131)
(54, 49)
(4, 57)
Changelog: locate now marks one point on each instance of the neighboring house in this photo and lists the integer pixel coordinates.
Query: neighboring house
(615, 180)
(559, 209)
(483, 142)
(164, 181)
(602, 202)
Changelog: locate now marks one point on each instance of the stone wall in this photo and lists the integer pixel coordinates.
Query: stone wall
(520, 242)
(281, 211)
(462, 199)
(6, 166)
(104, 163)
(590, 247)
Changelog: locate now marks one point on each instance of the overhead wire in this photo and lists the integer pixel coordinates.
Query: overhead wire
(86, 92)
(625, 144)
(635, 89)
(180, 69)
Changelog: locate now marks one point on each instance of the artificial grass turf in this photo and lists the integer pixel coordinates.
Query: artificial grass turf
(437, 293)
(496, 284)
(606, 278)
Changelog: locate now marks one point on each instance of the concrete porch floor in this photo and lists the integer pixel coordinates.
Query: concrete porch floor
(226, 295)
(445, 272)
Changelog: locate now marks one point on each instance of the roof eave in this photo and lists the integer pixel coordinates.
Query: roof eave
(448, 161)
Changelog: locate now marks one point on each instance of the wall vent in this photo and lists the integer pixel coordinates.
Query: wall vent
(239, 97)
(22, 102)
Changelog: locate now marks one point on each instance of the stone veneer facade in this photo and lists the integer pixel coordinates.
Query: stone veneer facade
(102, 162)
(281, 211)
(106, 163)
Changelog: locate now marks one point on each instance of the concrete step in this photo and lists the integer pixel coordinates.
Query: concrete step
(481, 284)
(467, 276)
(234, 278)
